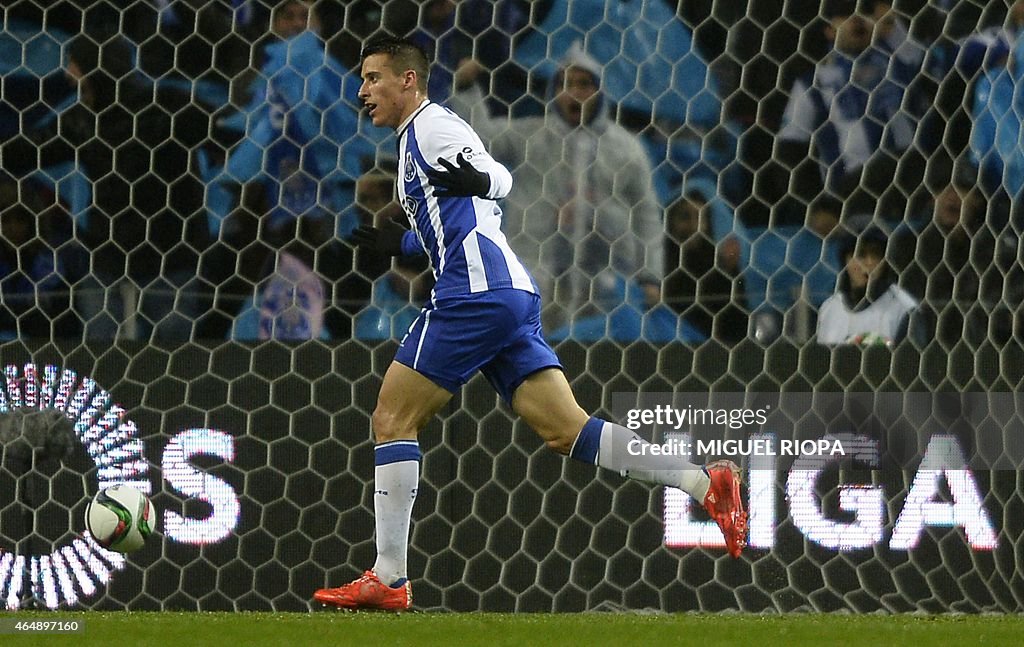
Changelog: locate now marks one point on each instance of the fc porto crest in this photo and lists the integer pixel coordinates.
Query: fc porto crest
(410, 168)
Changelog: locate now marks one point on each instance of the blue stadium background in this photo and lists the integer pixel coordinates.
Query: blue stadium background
(275, 149)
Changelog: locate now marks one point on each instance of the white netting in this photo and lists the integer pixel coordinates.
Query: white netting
(180, 180)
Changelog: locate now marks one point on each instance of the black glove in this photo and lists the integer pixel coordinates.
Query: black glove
(385, 240)
(460, 181)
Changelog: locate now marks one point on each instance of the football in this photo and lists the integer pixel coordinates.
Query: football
(120, 518)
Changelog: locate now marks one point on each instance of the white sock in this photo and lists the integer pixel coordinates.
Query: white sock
(616, 448)
(395, 483)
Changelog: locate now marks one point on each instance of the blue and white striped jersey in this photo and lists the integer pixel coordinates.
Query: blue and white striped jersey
(461, 236)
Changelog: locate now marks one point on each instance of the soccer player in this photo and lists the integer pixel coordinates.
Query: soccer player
(483, 315)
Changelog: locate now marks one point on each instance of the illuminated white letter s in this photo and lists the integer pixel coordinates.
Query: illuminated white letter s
(194, 483)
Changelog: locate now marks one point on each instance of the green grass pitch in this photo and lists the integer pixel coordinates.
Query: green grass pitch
(424, 629)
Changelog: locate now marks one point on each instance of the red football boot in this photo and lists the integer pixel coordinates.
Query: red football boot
(367, 592)
(725, 506)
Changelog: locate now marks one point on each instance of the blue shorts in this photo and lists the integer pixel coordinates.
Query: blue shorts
(497, 333)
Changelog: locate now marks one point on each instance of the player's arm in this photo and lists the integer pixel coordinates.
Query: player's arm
(464, 167)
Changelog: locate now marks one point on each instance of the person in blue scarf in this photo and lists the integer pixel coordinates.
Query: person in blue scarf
(850, 110)
(303, 140)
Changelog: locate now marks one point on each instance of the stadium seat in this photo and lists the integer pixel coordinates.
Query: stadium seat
(783, 261)
(723, 222)
(246, 326)
(247, 323)
(30, 51)
(816, 261)
(995, 142)
(30, 67)
(71, 186)
(768, 273)
(630, 321)
(388, 316)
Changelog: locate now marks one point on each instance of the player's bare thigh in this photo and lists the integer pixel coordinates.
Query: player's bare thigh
(546, 402)
(406, 403)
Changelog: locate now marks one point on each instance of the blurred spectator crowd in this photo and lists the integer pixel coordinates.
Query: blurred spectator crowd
(840, 171)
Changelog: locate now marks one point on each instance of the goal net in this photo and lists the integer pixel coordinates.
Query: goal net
(810, 209)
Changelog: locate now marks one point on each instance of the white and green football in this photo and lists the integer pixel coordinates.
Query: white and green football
(120, 518)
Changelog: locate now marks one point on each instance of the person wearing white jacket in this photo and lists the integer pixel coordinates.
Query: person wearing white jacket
(583, 200)
(868, 306)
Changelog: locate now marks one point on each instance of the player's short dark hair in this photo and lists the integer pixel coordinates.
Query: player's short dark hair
(405, 55)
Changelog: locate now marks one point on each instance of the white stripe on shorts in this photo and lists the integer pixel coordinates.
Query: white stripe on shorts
(423, 335)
